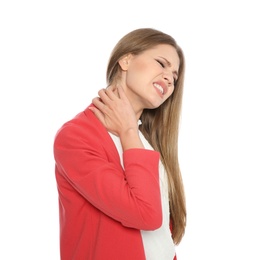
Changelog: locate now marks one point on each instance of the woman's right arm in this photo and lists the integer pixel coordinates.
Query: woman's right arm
(130, 195)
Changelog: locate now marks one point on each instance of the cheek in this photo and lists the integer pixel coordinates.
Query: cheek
(139, 67)
(137, 73)
(170, 92)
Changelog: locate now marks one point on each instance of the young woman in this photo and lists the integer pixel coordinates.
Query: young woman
(121, 195)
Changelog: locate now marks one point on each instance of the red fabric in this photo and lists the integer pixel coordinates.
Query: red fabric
(102, 207)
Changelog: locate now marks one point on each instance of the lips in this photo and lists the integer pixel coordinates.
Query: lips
(160, 88)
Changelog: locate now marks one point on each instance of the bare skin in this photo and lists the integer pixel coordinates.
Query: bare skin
(119, 108)
(117, 115)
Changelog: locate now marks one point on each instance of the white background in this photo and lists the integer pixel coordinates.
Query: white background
(53, 57)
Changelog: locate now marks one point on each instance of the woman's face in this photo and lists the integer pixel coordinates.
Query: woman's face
(148, 78)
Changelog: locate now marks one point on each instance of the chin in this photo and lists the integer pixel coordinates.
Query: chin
(154, 102)
(154, 105)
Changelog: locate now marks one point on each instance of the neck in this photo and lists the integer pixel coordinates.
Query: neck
(138, 111)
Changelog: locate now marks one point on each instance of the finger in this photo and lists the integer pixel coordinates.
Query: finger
(97, 113)
(98, 103)
(111, 94)
(104, 97)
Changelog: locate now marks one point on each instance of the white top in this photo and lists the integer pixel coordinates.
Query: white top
(158, 244)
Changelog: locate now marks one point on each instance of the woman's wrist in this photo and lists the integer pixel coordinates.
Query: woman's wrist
(130, 139)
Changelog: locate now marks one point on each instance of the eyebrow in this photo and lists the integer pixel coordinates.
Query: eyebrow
(170, 64)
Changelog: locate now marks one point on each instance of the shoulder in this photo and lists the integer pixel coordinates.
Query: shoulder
(83, 123)
(82, 127)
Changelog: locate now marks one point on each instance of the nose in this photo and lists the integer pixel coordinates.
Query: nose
(168, 78)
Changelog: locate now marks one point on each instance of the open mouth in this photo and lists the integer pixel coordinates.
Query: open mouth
(157, 86)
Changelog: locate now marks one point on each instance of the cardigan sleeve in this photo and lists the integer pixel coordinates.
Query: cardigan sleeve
(130, 195)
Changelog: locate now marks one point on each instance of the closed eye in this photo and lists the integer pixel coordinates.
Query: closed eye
(161, 63)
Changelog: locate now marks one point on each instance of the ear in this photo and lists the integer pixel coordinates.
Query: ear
(124, 61)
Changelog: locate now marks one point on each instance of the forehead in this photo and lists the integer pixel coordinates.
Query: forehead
(165, 51)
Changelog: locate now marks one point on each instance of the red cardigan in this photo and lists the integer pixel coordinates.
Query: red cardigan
(102, 207)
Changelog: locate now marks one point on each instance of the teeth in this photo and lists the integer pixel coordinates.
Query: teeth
(159, 88)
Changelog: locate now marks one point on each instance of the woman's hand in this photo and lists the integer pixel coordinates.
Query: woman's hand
(115, 112)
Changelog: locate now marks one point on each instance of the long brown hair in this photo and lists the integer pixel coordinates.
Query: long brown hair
(160, 126)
